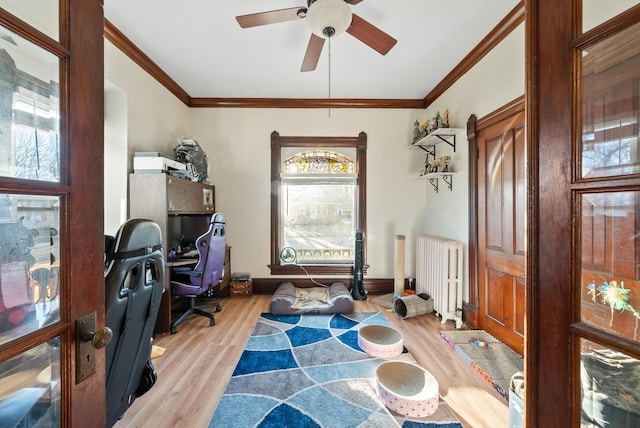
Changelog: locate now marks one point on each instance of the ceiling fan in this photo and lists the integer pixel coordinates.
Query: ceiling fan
(326, 18)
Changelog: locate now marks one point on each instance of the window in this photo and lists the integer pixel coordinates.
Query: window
(318, 201)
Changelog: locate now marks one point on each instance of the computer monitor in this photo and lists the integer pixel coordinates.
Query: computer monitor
(183, 230)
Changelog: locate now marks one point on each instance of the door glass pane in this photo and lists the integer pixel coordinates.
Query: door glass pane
(42, 14)
(610, 387)
(29, 263)
(610, 100)
(611, 262)
(29, 110)
(30, 388)
(595, 12)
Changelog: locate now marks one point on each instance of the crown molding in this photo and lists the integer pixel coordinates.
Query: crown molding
(305, 103)
(119, 40)
(502, 30)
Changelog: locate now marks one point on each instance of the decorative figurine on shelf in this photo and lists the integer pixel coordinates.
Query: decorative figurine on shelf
(416, 131)
(438, 120)
(444, 162)
(427, 167)
(424, 128)
(428, 126)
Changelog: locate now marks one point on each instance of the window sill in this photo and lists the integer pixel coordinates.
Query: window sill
(313, 269)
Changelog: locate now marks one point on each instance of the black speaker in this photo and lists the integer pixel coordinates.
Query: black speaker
(357, 291)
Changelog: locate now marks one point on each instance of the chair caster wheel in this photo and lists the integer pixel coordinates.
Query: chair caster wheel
(212, 322)
(218, 308)
(174, 330)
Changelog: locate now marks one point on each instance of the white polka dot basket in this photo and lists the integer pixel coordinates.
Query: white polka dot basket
(380, 341)
(407, 389)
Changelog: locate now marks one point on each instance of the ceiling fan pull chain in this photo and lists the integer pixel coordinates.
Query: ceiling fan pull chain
(329, 76)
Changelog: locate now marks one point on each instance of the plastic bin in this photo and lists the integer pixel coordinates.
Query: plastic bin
(516, 401)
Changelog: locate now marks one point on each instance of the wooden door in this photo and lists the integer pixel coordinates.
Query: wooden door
(51, 212)
(501, 229)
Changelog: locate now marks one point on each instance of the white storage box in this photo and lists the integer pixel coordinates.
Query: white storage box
(155, 162)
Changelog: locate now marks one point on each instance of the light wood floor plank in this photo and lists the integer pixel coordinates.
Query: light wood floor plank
(199, 360)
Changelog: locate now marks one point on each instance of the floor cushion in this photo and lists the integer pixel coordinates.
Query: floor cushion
(291, 300)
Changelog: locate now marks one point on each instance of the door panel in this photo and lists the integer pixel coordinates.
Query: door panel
(51, 208)
(501, 230)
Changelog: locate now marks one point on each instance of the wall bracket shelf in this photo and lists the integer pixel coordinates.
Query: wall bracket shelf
(440, 135)
(433, 178)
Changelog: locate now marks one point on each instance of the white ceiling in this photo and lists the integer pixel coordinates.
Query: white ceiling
(200, 45)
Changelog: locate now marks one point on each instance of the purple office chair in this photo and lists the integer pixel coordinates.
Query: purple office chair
(207, 273)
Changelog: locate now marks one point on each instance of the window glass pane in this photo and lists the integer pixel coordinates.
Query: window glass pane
(29, 110)
(595, 12)
(611, 262)
(30, 387)
(29, 263)
(610, 99)
(41, 14)
(319, 222)
(318, 162)
(610, 387)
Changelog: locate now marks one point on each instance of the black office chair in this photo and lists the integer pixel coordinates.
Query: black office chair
(208, 272)
(134, 282)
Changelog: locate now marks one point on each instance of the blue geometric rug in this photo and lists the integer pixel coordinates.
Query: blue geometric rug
(308, 371)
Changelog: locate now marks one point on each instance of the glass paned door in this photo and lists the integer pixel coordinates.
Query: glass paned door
(607, 207)
(51, 203)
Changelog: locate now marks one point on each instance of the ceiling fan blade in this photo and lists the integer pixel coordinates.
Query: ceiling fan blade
(354, 1)
(311, 57)
(371, 35)
(270, 17)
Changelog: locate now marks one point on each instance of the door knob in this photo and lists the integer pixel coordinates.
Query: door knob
(99, 339)
(88, 339)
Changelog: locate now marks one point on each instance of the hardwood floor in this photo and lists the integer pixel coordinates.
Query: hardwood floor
(199, 360)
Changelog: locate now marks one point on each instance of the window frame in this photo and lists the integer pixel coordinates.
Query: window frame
(308, 142)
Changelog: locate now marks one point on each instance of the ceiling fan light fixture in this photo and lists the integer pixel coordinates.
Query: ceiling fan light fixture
(328, 18)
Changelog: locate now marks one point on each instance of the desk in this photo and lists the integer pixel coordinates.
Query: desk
(181, 208)
(181, 262)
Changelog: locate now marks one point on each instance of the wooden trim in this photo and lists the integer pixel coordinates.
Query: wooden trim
(501, 113)
(607, 29)
(552, 366)
(119, 40)
(470, 309)
(305, 103)
(276, 161)
(612, 340)
(497, 35)
(277, 142)
(277, 269)
(502, 30)
(371, 285)
(33, 35)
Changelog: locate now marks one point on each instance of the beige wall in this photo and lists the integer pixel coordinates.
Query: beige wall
(495, 81)
(237, 142)
(156, 118)
(153, 119)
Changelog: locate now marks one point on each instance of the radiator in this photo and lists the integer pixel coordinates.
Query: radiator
(439, 274)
